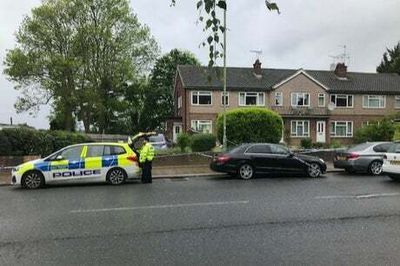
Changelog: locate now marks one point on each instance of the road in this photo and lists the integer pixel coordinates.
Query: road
(335, 220)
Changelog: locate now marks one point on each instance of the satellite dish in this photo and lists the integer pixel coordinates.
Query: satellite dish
(331, 106)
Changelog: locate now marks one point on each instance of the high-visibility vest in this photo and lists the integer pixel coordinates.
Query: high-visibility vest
(146, 153)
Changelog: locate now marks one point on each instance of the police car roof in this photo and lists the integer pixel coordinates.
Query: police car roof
(98, 143)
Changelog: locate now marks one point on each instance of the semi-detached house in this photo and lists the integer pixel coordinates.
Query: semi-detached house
(316, 104)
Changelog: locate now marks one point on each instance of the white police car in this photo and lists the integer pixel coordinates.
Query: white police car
(391, 162)
(111, 162)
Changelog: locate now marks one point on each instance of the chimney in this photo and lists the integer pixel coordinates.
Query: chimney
(257, 68)
(341, 70)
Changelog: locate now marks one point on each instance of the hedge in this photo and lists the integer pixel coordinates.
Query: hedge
(246, 125)
(382, 131)
(26, 141)
(202, 142)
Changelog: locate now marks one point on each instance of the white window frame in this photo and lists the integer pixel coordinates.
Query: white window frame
(203, 93)
(342, 96)
(293, 130)
(222, 98)
(349, 133)
(246, 94)
(179, 102)
(296, 98)
(369, 97)
(278, 95)
(396, 98)
(195, 124)
(321, 96)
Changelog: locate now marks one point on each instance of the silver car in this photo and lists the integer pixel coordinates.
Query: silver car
(365, 157)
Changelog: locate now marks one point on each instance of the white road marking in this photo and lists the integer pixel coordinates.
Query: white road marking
(362, 196)
(198, 204)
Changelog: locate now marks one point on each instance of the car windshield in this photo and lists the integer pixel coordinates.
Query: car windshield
(360, 147)
(158, 138)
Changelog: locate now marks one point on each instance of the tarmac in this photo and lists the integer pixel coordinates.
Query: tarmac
(171, 171)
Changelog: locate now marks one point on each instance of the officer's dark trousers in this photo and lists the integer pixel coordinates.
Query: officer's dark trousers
(146, 172)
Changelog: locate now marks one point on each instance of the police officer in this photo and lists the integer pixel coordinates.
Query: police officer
(145, 159)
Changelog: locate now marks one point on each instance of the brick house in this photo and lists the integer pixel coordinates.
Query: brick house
(316, 104)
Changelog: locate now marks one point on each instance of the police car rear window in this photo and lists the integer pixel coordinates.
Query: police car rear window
(113, 150)
(95, 151)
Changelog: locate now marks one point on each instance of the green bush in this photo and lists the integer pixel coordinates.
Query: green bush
(335, 144)
(202, 142)
(245, 125)
(183, 141)
(26, 141)
(382, 131)
(396, 135)
(318, 145)
(306, 143)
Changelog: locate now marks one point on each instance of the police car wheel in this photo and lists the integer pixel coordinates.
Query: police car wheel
(32, 180)
(116, 176)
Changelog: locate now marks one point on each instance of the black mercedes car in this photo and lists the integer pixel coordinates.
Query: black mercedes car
(249, 159)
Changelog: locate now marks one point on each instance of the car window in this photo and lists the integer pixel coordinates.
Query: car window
(259, 149)
(278, 149)
(382, 147)
(395, 148)
(360, 147)
(95, 151)
(158, 138)
(73, 153)
(113, 150)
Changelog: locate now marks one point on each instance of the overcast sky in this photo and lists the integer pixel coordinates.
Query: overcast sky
(304, 36)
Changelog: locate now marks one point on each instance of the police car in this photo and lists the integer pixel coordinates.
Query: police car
(111, 162)
(391, 162)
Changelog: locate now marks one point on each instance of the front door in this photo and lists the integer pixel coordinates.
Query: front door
(321, 131)
(177, 129)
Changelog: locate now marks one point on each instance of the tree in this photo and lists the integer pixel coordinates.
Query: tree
(213, 25)
(391, 61)
(245, 125)
(159, 101)
(78, 54)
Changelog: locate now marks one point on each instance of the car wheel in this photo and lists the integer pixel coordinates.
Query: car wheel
(314, 170)
(116, 176)
(246, 171)
(395, 177)
(32, 180)
(375, 168)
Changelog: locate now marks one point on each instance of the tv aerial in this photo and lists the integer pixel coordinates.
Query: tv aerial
(257, 53)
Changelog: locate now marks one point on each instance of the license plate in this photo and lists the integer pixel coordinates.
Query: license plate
(341, 158)
(393, 162)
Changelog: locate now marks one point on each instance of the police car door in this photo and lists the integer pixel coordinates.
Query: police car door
(94, 162)
(67, 164)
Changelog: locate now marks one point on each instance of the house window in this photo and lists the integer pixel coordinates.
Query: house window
(179, 102)
(203, 126)
(278, 99)
(343, 129)
(300, 99)
(374, 101)
(300, 128)
(397, 102)
(201, 98)
(342, 100)
(251, 98)
(226, 99)
(321, 100)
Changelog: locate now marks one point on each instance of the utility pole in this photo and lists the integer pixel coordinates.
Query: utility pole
(224, 140)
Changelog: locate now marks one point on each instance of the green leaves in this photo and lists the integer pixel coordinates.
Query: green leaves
(213, 25)
(272, 6)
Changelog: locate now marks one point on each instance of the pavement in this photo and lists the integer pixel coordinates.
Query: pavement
(171, 171)
(338, 219)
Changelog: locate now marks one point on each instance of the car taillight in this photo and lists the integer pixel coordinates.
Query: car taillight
(132, 158)
(223, 159)
(352, 156)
